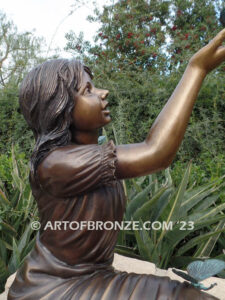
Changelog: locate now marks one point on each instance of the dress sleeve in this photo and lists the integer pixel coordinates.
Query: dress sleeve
(75, 169)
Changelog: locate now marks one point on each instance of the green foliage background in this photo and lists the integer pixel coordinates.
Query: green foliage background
(19, 52)
(140, 53)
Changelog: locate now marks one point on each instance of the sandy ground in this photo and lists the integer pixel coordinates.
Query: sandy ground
(123, 263)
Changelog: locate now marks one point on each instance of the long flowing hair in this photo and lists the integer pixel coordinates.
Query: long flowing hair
(46, 100)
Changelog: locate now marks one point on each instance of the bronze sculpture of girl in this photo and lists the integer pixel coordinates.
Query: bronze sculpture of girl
(75, 179)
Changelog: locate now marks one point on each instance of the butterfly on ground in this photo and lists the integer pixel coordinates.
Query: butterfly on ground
(200, 270)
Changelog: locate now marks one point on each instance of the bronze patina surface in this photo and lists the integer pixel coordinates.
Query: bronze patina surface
(75, 179)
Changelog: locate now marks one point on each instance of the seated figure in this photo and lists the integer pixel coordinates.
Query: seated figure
(74, 179)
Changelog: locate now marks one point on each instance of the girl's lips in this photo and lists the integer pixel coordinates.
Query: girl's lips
(107, 112)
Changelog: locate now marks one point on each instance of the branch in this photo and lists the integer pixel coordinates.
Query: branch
(2, 80)
(7, 51)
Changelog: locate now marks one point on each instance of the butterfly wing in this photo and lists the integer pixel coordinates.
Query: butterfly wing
(101, 139)
(185, 276)
(201, 270)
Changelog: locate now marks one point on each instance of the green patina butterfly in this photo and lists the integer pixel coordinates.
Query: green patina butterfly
(200, 270)
(101, 139)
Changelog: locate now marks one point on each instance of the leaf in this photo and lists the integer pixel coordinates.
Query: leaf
(29, 246)
(4, 273)
(25, 238)
(126, 251)
(195, 241)
(15, 197)
(160, 205)
(14, 261)
(209, 245)
(136, 185)
(206, 203)
(176, 235)
(3, 199)
(144, 243)
(29, 204)
(7, 245)
(168, 177)
(138, 201)
(8, 228)
(196, 191)
(121, 238)
(3, 251)
(196, 198)
(175, 211)
(144, 210)
(140, 180)
(214, 211)
(115, 135)
(176, 201)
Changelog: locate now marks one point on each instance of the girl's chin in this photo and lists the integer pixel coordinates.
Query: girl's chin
(108, 118)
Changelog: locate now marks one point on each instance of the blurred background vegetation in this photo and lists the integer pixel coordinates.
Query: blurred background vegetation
(139, 54)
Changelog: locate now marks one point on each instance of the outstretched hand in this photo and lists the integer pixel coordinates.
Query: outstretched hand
(210, 56)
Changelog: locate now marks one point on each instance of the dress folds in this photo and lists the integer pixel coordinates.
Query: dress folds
(77, 183)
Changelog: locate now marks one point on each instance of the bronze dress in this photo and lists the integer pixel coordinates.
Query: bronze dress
(78, 183)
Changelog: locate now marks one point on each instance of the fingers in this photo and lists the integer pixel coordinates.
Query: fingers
(218, 39)
(221, 53)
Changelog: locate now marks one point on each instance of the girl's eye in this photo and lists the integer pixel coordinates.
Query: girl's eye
(87, 90)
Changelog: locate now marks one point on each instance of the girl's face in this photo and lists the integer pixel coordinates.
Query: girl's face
(90, 110)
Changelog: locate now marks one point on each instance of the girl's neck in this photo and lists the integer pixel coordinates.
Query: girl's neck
(85, 137)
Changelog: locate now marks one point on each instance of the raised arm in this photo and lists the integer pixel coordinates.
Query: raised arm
(166, 133)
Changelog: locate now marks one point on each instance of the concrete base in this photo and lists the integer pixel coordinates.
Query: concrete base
(123, 263)
(129, 265)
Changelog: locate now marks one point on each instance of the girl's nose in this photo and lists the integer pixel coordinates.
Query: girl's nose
(104, 94)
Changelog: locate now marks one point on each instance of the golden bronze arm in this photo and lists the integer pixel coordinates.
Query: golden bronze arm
(166, 133)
